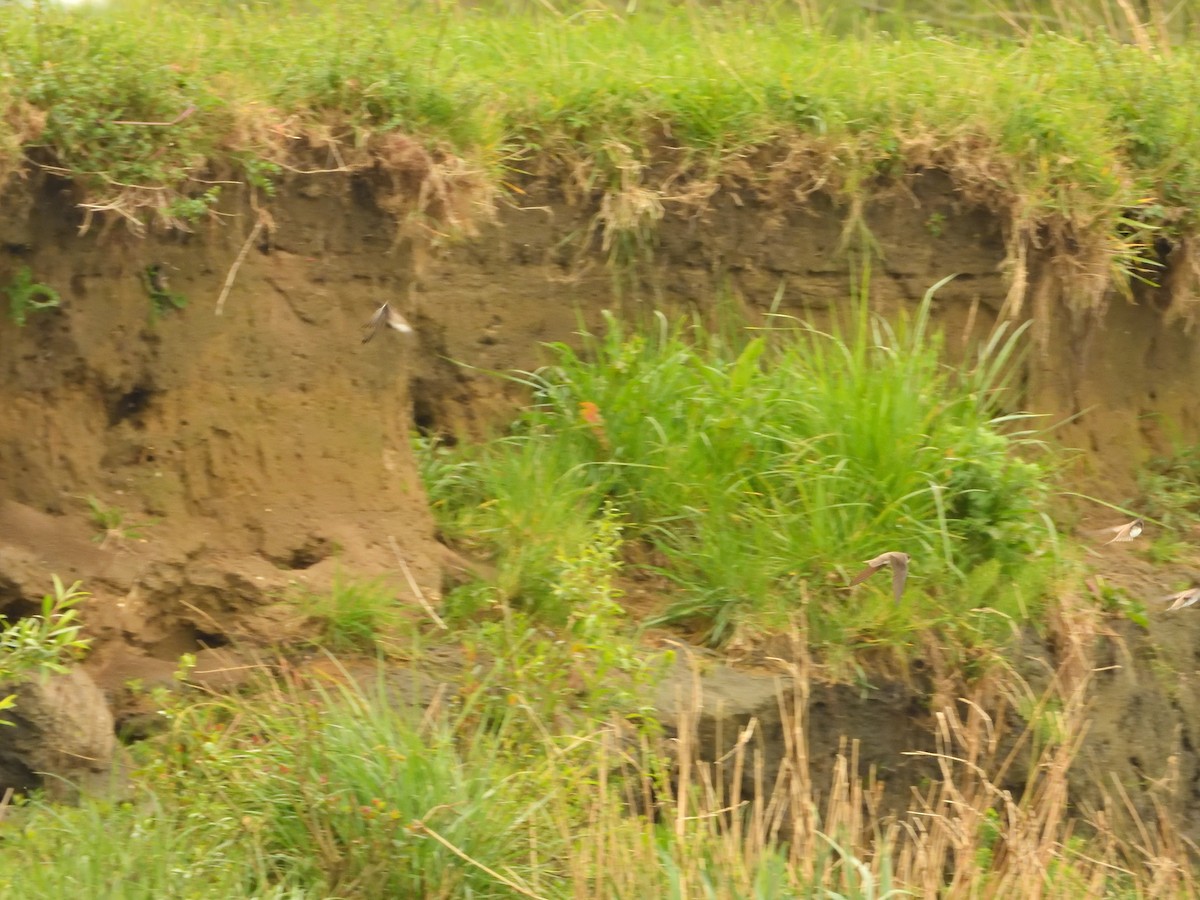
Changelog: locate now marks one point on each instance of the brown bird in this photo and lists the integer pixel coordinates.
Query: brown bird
(393, 319)
(894, 558)
(1183, 598)
(1126, 532)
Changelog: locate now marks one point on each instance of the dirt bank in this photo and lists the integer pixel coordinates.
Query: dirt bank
(246, 455)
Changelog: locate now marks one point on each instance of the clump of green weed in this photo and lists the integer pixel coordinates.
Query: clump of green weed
(585, 586)
(354, 613)
(578, 653)
(300, 792)
(23, 293)
(162, 298)
(765, 468)
(1171, 487)
(42, 643)
(1116, 600)
(112, 524)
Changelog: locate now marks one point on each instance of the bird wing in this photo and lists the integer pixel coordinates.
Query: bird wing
(1183, 598)
(372, 326)
(1125, 532)
(899, 575)
(871, 569)
(397, 321)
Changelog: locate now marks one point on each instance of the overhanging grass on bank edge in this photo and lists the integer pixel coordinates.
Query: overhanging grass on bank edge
(763, 470)
(1051, 129)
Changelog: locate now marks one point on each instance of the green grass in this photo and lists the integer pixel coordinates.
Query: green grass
(1049, 128)
(23, 293)
(311, 792)
(336, 795)
(354, 614)
(1171, 489)
(763, 469)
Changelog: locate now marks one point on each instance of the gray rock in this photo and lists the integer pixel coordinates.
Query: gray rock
(709, 708)
(61, 737)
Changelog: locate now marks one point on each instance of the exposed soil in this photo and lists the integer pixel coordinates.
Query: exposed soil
(262, 450)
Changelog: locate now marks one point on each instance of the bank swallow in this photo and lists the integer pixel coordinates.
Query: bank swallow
(899, 563)
(1126, 532)
(1183, 598)
(393, 319)
(156, 277)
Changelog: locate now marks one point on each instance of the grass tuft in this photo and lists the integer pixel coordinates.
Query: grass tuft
(354, 614)
(761, 470)
(353, 790)
(1079, 131)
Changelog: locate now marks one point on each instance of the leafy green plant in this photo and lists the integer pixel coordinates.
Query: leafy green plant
(1115, 600)
(755, 466)
(112, 525)
(190, 209)
(355, 613)
(162, 298)
(42, 643)
(1171, 487)
(23, 293)
(346, 777)
(863, 883)
(586, 586)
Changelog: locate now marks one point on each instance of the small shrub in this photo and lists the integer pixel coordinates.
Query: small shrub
(355, 613)
(45, 642)
(757, 466)
(23, 293)
(112, 524)
(162, 298)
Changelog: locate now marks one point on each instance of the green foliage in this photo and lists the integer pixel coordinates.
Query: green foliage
(162, 298)
(1171, 488)
(44, 642)
(97, 78)
(341, 794)
(1077, 129)
(586, 582)
(757, 466)
(23, 293)
(190, 209)
(861, 883)
(588, 668)
(1117, 601)
(111, 523)
(358, 791)
(260, 173)
(355, 613)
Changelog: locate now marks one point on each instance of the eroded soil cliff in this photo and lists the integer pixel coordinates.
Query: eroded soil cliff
(259, 451)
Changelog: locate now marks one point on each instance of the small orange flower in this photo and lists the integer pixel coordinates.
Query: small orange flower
(589, 412)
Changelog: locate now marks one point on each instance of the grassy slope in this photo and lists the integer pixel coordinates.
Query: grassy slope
(1047, 129)
(304, 798)
(759, 472)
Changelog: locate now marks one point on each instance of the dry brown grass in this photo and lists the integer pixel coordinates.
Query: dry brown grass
(998, 822)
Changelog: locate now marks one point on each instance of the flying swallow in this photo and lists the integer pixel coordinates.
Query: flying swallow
(1126, 532)
(393, 319)
(894, 558)
(156, 277)
(1183, 598)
